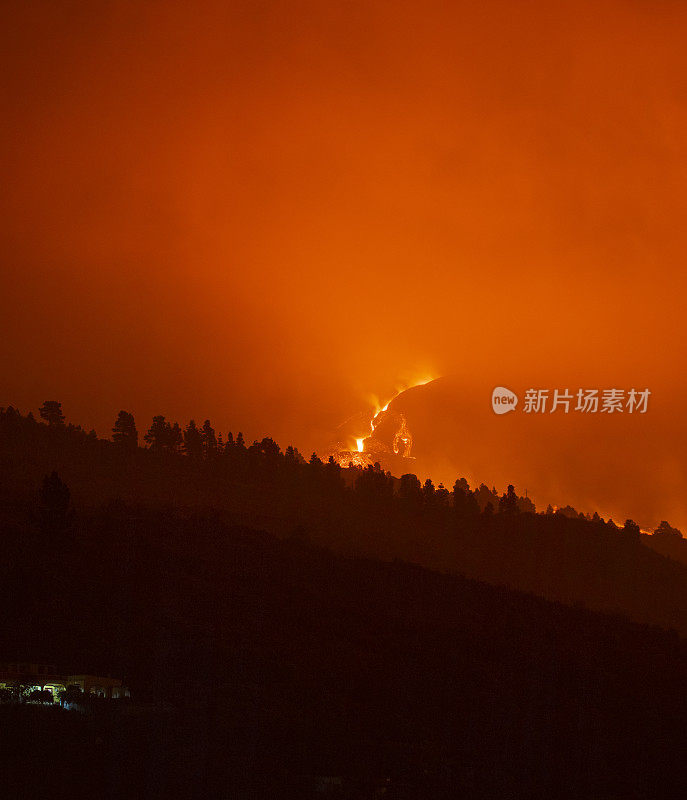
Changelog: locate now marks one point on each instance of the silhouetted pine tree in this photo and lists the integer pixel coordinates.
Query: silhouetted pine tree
(410, 492)
(157, 436)
(631, 530)
(209, 440)
(124, 432)
(51, 412)
(193, 442)
(508, 504)
(465, 505)
(428, 492)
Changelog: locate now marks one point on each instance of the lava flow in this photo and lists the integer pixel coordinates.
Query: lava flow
(396, 440)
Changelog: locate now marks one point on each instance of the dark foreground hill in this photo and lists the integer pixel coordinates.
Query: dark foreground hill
(272, 666)
(281, 663)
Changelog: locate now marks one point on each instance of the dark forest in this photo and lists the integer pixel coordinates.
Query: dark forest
(292, 629)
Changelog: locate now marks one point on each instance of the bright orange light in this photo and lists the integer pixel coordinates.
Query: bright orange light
(380, 409)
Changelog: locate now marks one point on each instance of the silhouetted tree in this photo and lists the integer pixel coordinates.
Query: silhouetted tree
(158, 435)
(124, 432)
(526, 506)
(666, 529)
(72, 694)
(508, 504)
(40, 696)
(51, 412)
(461, 484)
(332, 476)
(483, 494)
(20, 690)
(290, 455)
(269, 449)
(631, 530)
(410, 491)
(374, 484)
(441, 496)
(209, 440)
(568, 511)
(175, 438)
(464, 503)
(428, 492)
(193, 442)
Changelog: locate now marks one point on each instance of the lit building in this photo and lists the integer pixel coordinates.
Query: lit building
(46, 676)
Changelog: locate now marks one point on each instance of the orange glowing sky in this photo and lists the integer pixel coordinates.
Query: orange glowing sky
(263, 212)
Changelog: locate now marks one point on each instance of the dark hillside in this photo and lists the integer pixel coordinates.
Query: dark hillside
(368, 513)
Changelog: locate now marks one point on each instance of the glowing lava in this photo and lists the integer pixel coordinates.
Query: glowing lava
(402, 438)
(388, 435)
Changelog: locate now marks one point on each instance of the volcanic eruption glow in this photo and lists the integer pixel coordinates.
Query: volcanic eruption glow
(387, 438)
(402, 436)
